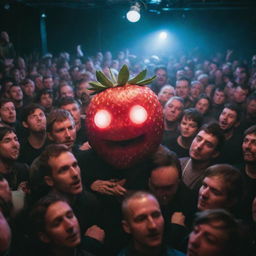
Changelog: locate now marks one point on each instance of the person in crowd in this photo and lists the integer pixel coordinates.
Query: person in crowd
(189, 126)
(203, 105)
(143, 220)
(48, 82)
(173, 110)
(72, 105)
(82, 88)
(222, 187)
(34, 121)
(216, 232)
(45, 99)
(7, 50)
(197, 88)
(55, 225)
(166, 92)
(183, 91)
(218, 101)
(28, 88)
(249, 115)
(229, 120)
(204, 150)
(66, 90)
(16, 94)
(161, 79)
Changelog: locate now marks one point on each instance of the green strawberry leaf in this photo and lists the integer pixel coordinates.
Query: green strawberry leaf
(113, 77)
(123, 76)
(138, 78)
(96, 85)
(147, 81)
(103, 79)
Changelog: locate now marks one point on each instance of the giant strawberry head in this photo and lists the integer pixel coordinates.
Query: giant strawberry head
(124, 118)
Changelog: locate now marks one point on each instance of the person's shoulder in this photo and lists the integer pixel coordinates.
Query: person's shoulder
(173, 252)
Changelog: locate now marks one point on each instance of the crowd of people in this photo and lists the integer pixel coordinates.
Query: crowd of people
(196, 195)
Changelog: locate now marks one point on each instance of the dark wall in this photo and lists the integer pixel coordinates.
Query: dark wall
(98, 29)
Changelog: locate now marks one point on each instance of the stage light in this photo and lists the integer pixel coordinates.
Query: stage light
(163, 35)
(43, 15)
(133, 15)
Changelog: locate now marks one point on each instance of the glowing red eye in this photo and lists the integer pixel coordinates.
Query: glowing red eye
(102, 119)
(138, 114)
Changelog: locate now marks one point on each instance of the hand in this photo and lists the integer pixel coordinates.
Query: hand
(85, 146)
(109, 187)
(96, 233)
(178, 218)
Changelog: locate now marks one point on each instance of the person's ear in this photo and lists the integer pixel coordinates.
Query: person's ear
(48, 180)
(43, 237)
(25, 124)
(126, 227)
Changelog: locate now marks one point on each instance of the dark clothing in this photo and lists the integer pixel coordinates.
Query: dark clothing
(17, 173)
(166, 251)
(231, 151)
(81, 135)
(28, 153)
(169, 136)
(174, 146)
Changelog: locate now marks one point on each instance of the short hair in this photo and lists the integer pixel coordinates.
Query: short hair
(160, 67)
(133, 195)
(230, 176)
(225, 222)
(250, 130)
(183, 78)
(43, 92)
(30, 109)
(38, 212)
(214, 129)
(234, 107)
(194, 115)
(4, 130)
(181, 100)
(57, 115)
(204, 96)
(66, 101)
(3, 101)
(165, 157)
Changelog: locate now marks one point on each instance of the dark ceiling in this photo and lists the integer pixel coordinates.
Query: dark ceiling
(147, 5)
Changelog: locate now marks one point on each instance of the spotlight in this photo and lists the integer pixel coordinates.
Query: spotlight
(134, 14)
(163, 35)
(43, 15)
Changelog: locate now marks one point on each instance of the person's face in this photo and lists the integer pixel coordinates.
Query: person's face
(173, 110)
(29, 88)
(63, 132)
(161, 77)
(240, 95)
(5, 191)
(5, 234)
(202, 106)
(207, 240)
(61, 226)
(227, 119)
(251, 108)
(163, 183)
(182, 89)
(195, 91)
(39, 82)
(145, 223)
(9, 146)
(46, 101)
(212, 194)
(74, 110)
(83, 88)
(36, 121)
(219, 97)
(8, 113)
(66, 91)
(203, 147)
(188, 127)
(48, 83)
(249, 148)
(165, 94)
(65, 174)
(16, 93)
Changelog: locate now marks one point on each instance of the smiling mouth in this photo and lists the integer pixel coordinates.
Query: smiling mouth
(125, 143)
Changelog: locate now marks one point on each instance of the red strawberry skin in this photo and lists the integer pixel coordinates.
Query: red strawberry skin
(121, 142)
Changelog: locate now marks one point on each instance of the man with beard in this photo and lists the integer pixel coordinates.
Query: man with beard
(16, 94)
(14, 172)
(161, 79)
(229, 120)
(204, 150)
(143, 220)
(34, 120)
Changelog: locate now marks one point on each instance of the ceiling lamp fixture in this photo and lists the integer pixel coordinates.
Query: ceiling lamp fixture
(133, 15)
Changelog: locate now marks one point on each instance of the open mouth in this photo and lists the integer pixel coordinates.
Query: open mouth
(125, 143)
